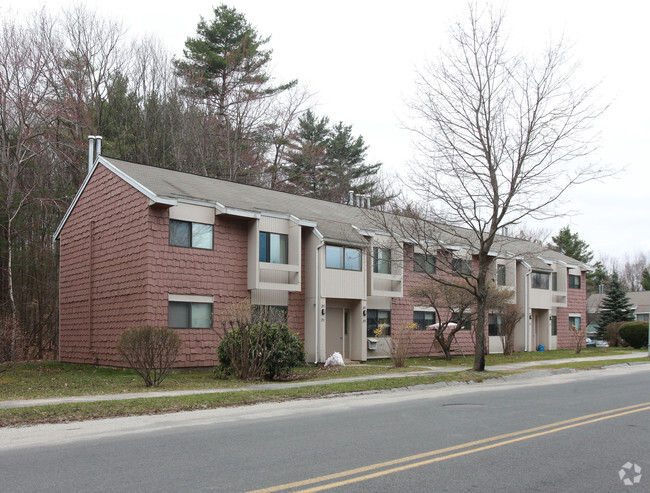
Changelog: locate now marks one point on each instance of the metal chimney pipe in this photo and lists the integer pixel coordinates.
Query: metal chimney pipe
(368, 201)
(358, 200)
(98, 145)
(351, 194)
(91, 152)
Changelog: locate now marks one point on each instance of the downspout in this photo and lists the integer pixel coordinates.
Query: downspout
(526, 288)
(317, 293)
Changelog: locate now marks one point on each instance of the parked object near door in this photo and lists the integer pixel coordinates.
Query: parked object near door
(335, 360)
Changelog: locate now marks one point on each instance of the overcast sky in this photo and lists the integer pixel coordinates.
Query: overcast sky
(359, 58)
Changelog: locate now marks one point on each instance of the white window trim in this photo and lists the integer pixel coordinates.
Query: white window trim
(190, 298)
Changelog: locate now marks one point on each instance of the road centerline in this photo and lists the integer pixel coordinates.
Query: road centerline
(458, 451)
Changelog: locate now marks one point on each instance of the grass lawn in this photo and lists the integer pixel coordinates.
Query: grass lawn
(51, 379)
(159, 405)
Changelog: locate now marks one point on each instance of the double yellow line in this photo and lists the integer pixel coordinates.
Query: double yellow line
(397, 465)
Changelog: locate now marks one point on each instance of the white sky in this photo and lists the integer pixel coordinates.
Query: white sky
(359, 58)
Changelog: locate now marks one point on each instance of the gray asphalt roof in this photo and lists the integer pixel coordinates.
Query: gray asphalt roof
(335, 221)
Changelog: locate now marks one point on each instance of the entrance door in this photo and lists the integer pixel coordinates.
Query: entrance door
(335, 327)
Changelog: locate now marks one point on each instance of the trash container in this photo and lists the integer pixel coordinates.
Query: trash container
(540, 347)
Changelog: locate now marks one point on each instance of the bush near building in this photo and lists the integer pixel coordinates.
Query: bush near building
(635, 334)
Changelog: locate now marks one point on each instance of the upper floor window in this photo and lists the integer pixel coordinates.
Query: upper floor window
(424, 263)
(184, 315)
(338, 257)
(554, 281)
(381, 260)
(540, 280)
(274, 248)
(501, 275)
(574, 281)
(423, 319)
(461, 267)
(191, 235)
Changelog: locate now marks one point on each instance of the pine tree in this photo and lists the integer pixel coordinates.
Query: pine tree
(571, 245)
(615, 307)
(225, 68)
(327, 162)
(645, 280)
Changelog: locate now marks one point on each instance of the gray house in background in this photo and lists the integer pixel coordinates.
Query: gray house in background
(640, 303)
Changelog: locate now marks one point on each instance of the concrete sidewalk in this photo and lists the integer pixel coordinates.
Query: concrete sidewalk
(274, 386)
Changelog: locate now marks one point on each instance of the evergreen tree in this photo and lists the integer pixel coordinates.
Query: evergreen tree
(571, 245)
(225, 68)
(615, 307)
(599, 277)
(645, 280)
(328, 162)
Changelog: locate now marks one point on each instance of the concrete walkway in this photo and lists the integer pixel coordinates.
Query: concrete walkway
(274, 386)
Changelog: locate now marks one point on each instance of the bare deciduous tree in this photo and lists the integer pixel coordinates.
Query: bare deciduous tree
(510, 315)
(501, 139)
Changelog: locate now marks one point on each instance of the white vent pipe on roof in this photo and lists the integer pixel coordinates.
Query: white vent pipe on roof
(351, 195)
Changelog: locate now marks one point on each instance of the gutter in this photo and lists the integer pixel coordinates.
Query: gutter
(317, 292)
(526, 288)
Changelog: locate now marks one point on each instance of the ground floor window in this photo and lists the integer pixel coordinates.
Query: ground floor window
(494, 324)
(464, 320)
(272, 314)
(574, 323)
(553, 325)
(423, 319)
(376, 319)
(186, 315)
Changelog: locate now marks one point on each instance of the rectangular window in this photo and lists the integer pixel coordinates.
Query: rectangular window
(501, 275)
(461, 267)
(184, 315)
(642, 317)
(270, 313)
(337, 257)
(554, 281)
(424, 263)
(494, 324)
(274, 248)
(540, 280)
(377, 318)
(574, 323)
(574, 281)
(553, 325)
(190, 235)
(456, 318)
(424, 319)
(381, 260)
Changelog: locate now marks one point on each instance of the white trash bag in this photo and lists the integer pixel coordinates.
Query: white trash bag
(335, 360)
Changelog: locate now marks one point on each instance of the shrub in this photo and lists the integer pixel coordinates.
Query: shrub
(578, 336)
(259, 350)
(613, 337)
(635, 333)
(150, 351)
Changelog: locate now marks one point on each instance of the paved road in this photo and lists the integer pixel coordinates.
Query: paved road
(431, 436)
